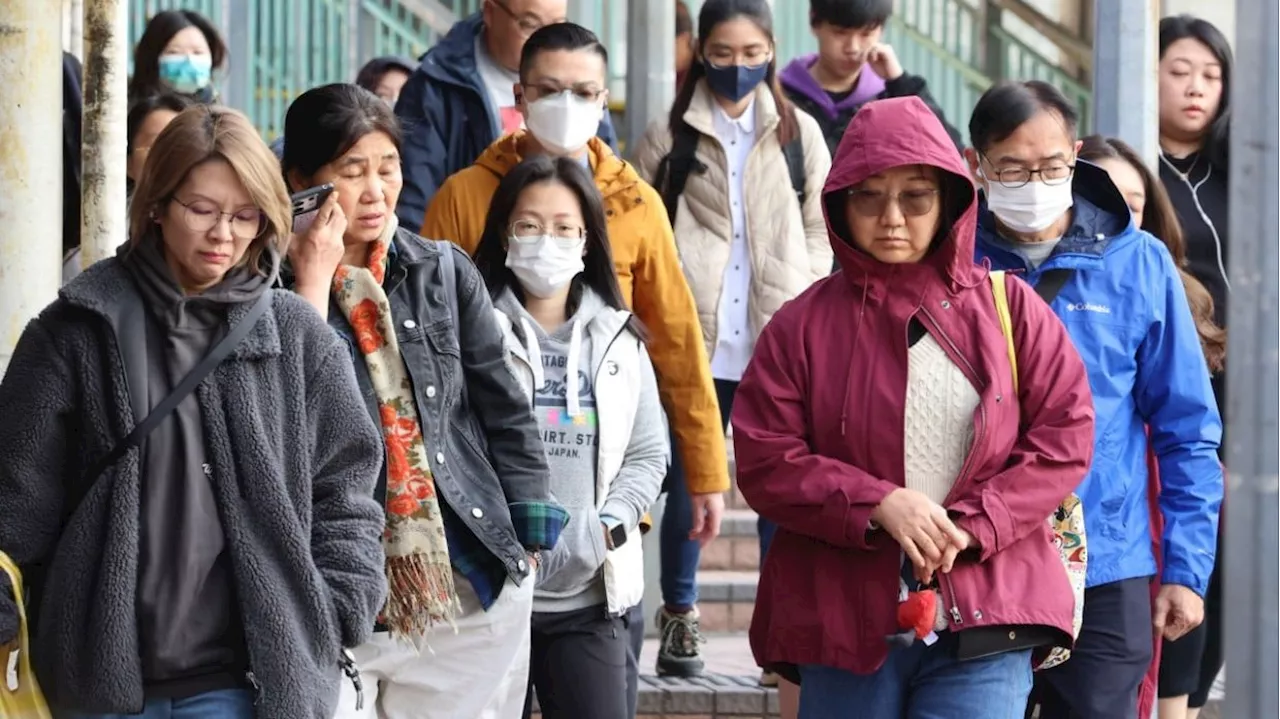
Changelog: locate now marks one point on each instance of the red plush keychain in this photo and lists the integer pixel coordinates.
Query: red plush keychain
(917, 612)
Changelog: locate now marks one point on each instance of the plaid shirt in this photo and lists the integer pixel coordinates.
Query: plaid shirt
(538, 526)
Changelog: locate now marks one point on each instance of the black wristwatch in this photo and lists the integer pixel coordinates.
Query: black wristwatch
(617, 535)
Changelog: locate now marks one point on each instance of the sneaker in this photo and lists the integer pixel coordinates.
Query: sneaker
(768, 679)
(679, 654)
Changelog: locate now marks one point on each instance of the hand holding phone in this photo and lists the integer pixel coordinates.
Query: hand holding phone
(306, 206)
(316, 252)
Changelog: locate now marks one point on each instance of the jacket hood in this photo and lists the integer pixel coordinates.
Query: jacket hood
(891, 133)
(612, 174)
(453, 59)
(795, 78)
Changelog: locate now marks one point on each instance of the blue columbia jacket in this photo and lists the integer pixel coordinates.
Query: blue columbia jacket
(1126, 311)
(448, 120)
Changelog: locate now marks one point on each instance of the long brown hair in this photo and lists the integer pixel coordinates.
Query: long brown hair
(1160, 219)
(197, 135)
(713, 13)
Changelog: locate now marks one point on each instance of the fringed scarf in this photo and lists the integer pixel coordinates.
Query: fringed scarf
(420, 575)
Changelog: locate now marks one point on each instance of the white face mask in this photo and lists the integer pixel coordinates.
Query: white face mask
(544, 265)
(1030, 208)
(563, 123)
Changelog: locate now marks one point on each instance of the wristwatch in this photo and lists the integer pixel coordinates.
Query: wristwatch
(616, 536)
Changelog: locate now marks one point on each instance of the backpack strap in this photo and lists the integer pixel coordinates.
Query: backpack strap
(673, 171)
(1001, 294)
(794, 153)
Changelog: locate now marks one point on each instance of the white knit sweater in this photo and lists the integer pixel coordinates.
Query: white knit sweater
(938, 422)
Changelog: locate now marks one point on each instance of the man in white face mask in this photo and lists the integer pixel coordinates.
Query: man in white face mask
(562, 95)
(1063, 225)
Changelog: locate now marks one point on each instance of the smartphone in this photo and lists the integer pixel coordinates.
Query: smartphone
(306, 205)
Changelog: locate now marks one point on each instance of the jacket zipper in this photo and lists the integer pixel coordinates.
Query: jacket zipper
(347, 661)
(253, 685)
(944, 581)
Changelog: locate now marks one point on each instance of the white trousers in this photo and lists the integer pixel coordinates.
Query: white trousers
(481, 672)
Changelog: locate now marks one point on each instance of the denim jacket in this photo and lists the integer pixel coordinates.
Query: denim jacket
(487, 459)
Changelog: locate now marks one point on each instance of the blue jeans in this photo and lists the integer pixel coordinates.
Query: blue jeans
(678, 555)
(921, 683)
(222, 704)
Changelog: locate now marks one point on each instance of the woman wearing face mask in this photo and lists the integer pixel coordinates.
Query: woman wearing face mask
(909, 462)
(1195, 123)
(748, 241)
(178, 52)
(217, 564)
(465, 482)
(580, 356)
(1153, 212)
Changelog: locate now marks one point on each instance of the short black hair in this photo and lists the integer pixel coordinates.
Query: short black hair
(684, 19)
(1007, 105)
(559, 36)
(371, 74)
(850, 13)
(142, 109)
(324, 123)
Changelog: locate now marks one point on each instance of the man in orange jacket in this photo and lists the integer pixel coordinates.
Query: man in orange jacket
(562, 91)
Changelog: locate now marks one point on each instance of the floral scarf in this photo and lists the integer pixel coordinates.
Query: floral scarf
(419, 573)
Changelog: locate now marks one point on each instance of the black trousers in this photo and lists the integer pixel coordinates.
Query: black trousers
(578, 665)
(1111, 657)
(1190, 665)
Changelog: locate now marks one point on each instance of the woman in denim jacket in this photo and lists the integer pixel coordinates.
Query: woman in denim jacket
(465, 482)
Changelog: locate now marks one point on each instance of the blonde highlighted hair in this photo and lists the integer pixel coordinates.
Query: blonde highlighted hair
(200, 134)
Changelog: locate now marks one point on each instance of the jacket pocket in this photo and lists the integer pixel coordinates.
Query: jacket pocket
(579, 555)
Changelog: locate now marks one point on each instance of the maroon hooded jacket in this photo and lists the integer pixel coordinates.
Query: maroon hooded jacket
(818, 418)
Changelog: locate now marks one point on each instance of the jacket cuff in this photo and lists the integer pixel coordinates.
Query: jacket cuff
(1184, 578)
(983, 531)
(619, 511)
(538, 524)
(706, 483)
(904, 86)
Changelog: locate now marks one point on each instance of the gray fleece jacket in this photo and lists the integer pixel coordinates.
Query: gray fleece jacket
(293, 458)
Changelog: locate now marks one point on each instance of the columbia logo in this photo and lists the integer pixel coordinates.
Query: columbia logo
(1088, 307)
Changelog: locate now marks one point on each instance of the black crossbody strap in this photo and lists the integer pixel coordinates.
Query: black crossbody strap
(1051, 283)
(188, 385)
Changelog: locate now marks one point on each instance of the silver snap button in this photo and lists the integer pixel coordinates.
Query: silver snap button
(977, 614)
(477, 512)
(440, 457)
(946, 305)
(431, 391)
(410, 324)
(1013, 636)
(522, 565)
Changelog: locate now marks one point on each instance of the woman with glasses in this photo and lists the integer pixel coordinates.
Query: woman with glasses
(910, 444)
(465, 482)
(741, 171)
(217, 563)
(580, 356)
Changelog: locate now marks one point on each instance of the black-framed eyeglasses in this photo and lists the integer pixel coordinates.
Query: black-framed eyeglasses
(525, 25)
(202, 216)
(530, 230)
(1055, 173)
(912, 203)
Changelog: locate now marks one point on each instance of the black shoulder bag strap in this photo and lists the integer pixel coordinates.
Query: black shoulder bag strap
(1051, 283)
(188, 385)
(673, 171)
(794, 153)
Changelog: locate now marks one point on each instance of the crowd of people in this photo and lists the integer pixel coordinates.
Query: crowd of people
(398, 462)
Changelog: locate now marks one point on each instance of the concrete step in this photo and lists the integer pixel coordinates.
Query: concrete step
(737, 547)
(726, 599)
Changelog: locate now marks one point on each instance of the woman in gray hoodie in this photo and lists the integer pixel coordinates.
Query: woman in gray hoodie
(219, 564)
(580, 356)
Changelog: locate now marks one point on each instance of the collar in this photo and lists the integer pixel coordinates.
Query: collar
(745, 123)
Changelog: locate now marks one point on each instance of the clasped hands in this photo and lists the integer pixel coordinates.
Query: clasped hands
(921, 526)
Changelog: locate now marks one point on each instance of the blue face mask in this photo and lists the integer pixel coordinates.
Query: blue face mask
(186, 74)
(735, 81)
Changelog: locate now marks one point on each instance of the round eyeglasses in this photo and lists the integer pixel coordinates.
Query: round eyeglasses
(202, 216)
(530, 230)
(1055, 173)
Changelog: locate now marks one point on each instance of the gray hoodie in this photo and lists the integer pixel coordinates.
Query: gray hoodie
(566, 412)
(191, 638)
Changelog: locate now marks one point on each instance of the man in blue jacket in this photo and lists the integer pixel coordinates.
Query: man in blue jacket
(462, 97)
(1062, 224)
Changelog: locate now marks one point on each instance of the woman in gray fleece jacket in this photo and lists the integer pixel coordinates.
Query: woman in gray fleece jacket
(219, 568)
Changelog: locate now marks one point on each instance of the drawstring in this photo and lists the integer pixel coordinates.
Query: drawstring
(572, 385)
(535, 353)
(848, 387)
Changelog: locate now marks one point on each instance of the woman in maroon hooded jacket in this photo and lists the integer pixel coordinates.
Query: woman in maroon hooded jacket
(878, 425)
